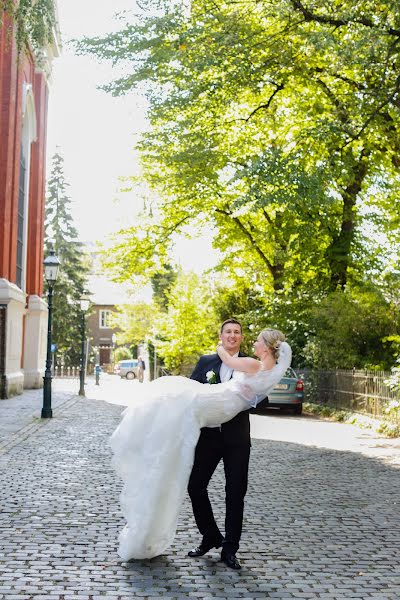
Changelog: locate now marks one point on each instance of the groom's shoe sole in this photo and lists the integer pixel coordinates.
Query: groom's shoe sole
(203, 549)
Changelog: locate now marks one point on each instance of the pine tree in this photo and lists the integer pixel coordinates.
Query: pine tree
(61, 234)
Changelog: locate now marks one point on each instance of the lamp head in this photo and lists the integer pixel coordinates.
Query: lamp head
(51, 266)
(84, 302)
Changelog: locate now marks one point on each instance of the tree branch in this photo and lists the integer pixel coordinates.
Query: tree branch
(326, 20)
(377, 110)
(341, 109)
(247, 234)
(279, 87)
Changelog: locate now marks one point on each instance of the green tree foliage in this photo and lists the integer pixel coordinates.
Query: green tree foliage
(190, 327)
(137, 322)
(34, 21)
(182, 329)
(352, 330)
(61, 235)
(161, 283)
(122, 353)
(274, 122)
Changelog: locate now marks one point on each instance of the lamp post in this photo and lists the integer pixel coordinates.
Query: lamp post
(84, 304)
(51, 265)
(113, 341)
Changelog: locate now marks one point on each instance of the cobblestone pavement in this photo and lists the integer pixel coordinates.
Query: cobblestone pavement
(320, 523)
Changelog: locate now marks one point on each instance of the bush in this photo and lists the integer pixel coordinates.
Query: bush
(122, 353)
(351, 329)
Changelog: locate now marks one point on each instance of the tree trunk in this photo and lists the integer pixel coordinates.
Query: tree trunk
(339, 252)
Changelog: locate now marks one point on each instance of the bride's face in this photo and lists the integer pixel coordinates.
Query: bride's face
(259, 347)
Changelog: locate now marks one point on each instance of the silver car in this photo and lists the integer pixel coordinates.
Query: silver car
(127, 368)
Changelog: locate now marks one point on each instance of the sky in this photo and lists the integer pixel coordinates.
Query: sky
(96, 132)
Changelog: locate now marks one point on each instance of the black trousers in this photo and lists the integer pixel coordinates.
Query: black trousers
(211, 448)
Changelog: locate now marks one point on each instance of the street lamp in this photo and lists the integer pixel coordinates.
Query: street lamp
(84, 304)
(113, 341)
(51, 265)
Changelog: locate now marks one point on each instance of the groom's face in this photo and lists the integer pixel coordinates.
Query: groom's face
(231, 337)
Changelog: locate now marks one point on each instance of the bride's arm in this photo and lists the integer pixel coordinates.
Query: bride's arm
(238, 363)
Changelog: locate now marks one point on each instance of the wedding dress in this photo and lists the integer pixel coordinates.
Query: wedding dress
(154, 448)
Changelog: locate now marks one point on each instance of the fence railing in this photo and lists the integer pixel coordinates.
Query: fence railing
(162, 372)
(358, 391)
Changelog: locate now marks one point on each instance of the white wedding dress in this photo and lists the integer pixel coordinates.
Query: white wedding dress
(154, 448)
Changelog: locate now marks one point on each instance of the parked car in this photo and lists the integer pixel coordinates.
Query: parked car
(288, 393)
(127, 368)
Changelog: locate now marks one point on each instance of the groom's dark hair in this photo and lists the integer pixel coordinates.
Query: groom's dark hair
(234, 322)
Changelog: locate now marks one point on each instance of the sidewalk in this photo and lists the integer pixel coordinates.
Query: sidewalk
(20, 415)
(319, 523)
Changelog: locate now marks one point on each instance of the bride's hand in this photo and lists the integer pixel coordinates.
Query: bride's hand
(219, 348)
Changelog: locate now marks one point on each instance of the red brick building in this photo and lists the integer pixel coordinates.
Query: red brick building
(23, 116)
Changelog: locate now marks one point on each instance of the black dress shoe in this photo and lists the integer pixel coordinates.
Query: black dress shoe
(204, 548)
(231, 561)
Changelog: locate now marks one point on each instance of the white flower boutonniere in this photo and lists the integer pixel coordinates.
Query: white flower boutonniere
(211, 377)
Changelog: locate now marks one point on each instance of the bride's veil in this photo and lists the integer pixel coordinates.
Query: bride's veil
(285, 357)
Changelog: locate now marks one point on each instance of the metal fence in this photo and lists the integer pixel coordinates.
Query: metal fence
(357, 391)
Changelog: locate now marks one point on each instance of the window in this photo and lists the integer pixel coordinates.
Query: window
(21, 221)
(27, 137)
(104, 319)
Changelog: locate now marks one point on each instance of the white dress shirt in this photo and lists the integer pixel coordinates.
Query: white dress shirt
(225, 372)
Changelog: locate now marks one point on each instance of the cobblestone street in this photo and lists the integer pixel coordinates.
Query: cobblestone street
(319, 522)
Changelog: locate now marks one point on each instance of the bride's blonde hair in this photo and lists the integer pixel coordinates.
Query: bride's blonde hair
(273, 339)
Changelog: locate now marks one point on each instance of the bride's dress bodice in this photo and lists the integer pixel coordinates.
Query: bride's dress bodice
(217, 404)
(154, 448)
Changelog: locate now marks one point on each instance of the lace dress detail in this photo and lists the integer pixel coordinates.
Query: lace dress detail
(153, 448)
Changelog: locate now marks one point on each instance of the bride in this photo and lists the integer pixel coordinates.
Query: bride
(154, 444)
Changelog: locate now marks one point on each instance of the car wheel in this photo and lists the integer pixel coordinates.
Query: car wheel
(298, 409)
(130, 375)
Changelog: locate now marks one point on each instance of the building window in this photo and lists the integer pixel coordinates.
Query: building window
(104, 319)
(21, 222)
(28, 136)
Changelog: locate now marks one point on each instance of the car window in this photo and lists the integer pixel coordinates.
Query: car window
(128, 364)
(290, 373)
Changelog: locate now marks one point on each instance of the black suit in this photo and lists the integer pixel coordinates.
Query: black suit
(231, 443)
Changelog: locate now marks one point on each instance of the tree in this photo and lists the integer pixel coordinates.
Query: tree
(190, 327)
(161, 283)
(274, 122)
(137, 322)
(121, 353)
(352, 330)
(61, 235)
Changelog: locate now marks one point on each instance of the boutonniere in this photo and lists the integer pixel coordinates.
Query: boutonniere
(211, 377)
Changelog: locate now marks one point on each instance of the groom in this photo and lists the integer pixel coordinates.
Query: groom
(231, 443)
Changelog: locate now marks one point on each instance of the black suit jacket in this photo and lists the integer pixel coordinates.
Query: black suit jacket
(235, 431)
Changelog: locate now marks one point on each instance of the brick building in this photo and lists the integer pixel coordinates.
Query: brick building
(101, 332)
(23, 116)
